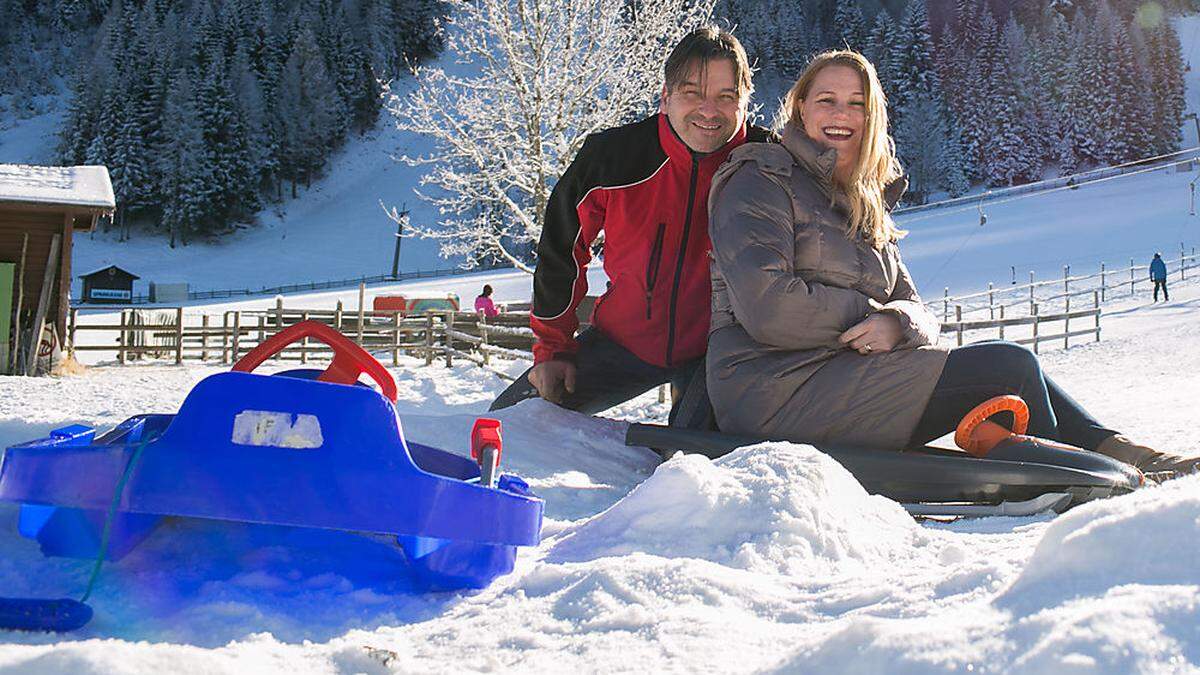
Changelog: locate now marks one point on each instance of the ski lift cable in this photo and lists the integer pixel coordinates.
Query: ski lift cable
(1048, 191)
(1024, 188)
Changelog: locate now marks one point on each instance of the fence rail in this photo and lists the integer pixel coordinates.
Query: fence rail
(324, 285)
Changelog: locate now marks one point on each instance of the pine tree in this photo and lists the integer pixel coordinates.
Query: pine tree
(851, 27)
(185, 164)
(234, 181)
(880, 47)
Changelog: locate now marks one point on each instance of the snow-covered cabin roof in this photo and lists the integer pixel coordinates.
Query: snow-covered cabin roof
(84, 186)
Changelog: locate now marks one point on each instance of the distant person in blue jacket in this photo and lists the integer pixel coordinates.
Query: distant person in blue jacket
(1158, 274)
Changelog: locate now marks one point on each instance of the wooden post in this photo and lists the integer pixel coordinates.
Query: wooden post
(122, 341)
(946, 304)
(449, 339)
(1103, 282)
(178, 335)
(662, 393)
(958, 318)
(16, 350)
(262, 328)
(237, 336)
(225, 338)
(72, 319)
(428, 338)
(1182, 262)
(1066, 279)
(1031, 301)
(279, 322)
(304, 342)
(1131, 276)
(396, 337)
(1001, 319)
(991, 302)
(203, 337)
(362, 292)
(1096, 306)
(483, 337)
(1035, 329)
(39, 316)
(1067, 325)
(337, 317)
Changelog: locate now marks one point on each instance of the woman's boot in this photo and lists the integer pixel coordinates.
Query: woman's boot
(1157, 466)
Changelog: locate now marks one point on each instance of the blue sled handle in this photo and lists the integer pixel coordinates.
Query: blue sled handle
(37, 614)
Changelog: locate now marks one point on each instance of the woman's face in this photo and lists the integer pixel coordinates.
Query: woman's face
(835, 114)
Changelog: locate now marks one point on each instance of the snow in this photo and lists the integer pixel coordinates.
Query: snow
(72, 185)
(771, 558)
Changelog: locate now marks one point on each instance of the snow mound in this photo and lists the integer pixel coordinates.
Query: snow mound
(1150, 537)
(774, 507)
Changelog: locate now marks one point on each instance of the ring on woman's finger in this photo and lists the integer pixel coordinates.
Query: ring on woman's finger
(869, 347)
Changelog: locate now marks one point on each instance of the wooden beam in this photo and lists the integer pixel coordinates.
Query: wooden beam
(39, 317)
(16, 350)
(64, 277)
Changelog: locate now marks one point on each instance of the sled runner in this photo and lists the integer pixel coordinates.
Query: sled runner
(304, 449)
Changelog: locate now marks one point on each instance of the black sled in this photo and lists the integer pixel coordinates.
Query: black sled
(1009, 474)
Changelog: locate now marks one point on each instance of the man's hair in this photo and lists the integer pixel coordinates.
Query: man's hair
(703, 45)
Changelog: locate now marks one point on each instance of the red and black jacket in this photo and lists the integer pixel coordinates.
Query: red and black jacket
(649, 193)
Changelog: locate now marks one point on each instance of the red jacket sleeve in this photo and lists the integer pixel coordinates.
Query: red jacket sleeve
(574, 218)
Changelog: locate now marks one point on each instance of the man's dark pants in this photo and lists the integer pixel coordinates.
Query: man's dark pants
(1163, 283)
(606, 374)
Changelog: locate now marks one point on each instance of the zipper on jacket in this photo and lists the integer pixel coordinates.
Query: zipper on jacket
(687, 228)
(653, 265)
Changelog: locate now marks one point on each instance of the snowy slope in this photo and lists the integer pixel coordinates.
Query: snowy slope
(771, 559)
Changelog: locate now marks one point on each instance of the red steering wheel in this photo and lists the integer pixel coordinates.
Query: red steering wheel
(978, 435)
(349, 360)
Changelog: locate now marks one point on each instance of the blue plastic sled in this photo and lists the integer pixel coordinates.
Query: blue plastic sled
(281, 450)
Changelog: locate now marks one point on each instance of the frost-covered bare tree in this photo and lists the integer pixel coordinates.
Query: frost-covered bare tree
(532, 78)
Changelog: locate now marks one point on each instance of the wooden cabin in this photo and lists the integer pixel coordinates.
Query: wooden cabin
(41, 210)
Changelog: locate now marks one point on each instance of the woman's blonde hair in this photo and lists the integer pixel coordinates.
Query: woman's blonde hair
(877, 163)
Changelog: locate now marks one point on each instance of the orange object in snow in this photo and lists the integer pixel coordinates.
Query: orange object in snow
(978, 435)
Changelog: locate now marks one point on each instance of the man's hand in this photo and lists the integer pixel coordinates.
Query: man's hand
(875, 334)
(551, 378)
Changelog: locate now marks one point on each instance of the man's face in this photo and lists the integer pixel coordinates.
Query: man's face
(706, 109)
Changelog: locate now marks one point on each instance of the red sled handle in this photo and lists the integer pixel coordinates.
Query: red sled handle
(486, 432)
(349, 360)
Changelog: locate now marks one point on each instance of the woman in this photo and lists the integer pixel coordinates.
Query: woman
(484, 304)
(818, 334)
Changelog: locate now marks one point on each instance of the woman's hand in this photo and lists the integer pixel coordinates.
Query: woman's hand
(875, 334)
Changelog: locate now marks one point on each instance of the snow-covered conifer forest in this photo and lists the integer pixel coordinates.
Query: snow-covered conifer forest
(207, 112)
(204, 110)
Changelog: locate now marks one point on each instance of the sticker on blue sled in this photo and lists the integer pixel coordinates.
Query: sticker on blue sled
(269, 428)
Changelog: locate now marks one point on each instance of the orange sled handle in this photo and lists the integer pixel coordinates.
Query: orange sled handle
(978, 435)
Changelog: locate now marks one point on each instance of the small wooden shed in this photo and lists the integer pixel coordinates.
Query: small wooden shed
(110, 285)
(41, 209)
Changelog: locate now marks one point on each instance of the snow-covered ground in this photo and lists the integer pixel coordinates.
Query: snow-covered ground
(771, 559)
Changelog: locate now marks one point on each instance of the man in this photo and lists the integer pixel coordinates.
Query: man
(645, 185)
(1158, 274)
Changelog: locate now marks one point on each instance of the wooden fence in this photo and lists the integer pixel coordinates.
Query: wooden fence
(175, 334)
(1057, 293)
(1039, 331)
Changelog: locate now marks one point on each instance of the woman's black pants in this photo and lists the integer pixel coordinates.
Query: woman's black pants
(977, 372)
